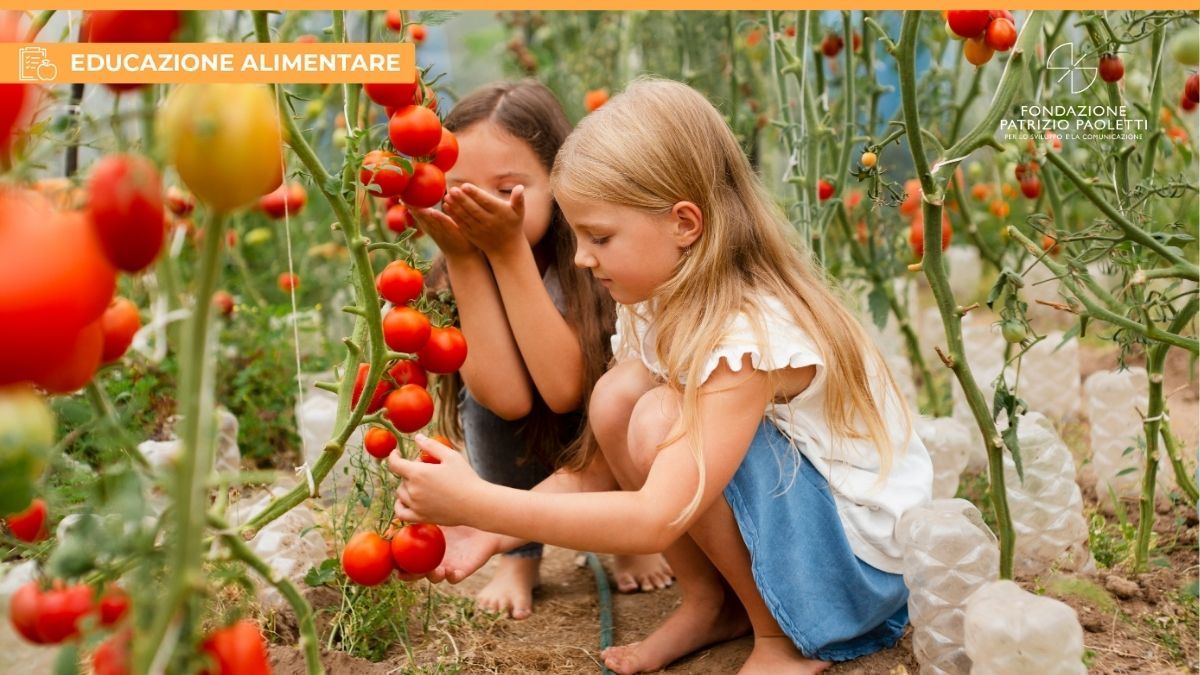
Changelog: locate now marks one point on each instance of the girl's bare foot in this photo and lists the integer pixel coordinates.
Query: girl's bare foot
(695, 624)
(642, 572)
(777, 655)
(511, 590)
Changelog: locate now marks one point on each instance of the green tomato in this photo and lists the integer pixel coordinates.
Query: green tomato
(259, 235)
(1185, 47)
(1013, 331)
(339, 139)
(26, 439)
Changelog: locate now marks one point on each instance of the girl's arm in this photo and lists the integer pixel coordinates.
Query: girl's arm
(493, 371)
(548, 344)
(645, 521)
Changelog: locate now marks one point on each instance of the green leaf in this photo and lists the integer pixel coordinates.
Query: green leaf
(878, 303)
(1014, 445)
(67, 661)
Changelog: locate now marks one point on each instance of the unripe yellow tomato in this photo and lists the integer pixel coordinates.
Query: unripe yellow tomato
(225, 142)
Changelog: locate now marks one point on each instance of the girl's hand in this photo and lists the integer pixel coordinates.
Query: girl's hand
(435, 493)
(445, 233)
(467, 549)
(489, 222)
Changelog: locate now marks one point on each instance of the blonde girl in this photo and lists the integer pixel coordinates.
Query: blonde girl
(749, 428)
(538, 326)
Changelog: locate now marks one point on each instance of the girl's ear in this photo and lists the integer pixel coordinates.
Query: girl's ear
(689, 223)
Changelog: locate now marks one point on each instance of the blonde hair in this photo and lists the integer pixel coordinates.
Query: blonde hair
(661, 142)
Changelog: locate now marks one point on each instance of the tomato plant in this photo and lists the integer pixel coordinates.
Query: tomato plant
(119, 323)
(237, 649)
(415, 130)
(444, 352)
(60, 611)
(379, 442)
(125, 202)
(426, 187)
(383, 174)
(408, 372)
(30, 524)
(400, 284)
(409, 407)
(406, 330)
(23, 611)
(286, 200)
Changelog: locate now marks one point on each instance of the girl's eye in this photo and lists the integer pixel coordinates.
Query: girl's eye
(599, 240)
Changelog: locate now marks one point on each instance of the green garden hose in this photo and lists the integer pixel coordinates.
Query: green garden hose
(604, 594)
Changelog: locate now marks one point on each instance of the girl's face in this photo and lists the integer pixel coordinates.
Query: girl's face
(494, 160)
(629, 251)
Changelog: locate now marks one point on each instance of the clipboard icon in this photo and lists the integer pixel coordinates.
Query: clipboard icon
(35, 66)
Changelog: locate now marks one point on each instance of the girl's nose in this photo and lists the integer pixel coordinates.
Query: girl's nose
(584, 259)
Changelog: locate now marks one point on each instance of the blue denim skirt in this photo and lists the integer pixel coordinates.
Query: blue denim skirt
(832, 605)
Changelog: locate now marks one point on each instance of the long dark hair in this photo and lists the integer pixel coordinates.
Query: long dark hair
(531, 113)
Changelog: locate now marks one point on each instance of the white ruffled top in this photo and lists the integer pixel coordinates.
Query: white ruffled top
(869, 508)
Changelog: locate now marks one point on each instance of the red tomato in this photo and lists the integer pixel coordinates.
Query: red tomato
(393, 94)
(409, 408)
(832, 45)
(287, 282)
(238, 649)
(824, 189)
(23, 611)
(1191, 88)
(968, 23)
(125, 201)
(408, 372)
(45, 300)
(1186, 104)
(415, 130)
(595, 98)
(60, 610)
(916, 235)
(445, 351)
(399, 218)
(1001, 14)
(223, 301)
(379, 442)
(1112, 69)
(446, 153)
(400, 284)
(30, 524)
(416, 33)
(1050, 244)
(120, 321)
(306, 39)
(286, 200)
(426, 187)
(360, 382)
(114, 605)
(367, 559)
(976, 51)
(418, 548)
(405, 329)
(1001, 35)
(112, 656)
(1031, 186)
(383, 170)
(430, 459)
(13, 99)
(394, 20)
(129, 26)
(179, 202)
(76, 370)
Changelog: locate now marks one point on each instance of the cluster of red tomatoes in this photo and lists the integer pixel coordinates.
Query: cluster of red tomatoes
(415, 131)
(1026, 174)
(414, 549)
(985, 31)
(61, 613)
(1191, 93)
(60, 317)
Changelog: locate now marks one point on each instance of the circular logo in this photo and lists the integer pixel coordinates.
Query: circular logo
(1067, 70)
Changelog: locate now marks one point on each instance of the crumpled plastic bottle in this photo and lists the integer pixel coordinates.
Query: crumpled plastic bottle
(949, 553)
(1050, 377)
(1116, 401)
(1009, 631)
(1046, 507)
(949, 443)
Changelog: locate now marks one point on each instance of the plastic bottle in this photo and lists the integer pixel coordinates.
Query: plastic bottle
(1116, 401)
(949, 443)
(1046, 507)
(949, 553)
(1010, 631)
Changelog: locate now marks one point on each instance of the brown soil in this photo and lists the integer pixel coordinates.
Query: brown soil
(1154, 630)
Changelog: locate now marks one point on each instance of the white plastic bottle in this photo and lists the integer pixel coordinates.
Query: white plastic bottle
(1010, 631)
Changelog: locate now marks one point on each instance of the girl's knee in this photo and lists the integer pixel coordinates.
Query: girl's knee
(614, 397)
(652, 421)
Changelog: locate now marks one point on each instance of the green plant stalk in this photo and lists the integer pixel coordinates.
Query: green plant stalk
(842, 168)
(1156, 95)
(1182, 478)
(368, 325)
(964, 213)
(39, 22)
(1132, 232)
(780, 88)
(195, 394)
(1100, 37)
(933, 265)
(304, 614)
(911, 342)
(1067, 278)
(1155, 359)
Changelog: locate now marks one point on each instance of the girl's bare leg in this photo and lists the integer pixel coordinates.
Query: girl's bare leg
(710, 611)
(714, 537)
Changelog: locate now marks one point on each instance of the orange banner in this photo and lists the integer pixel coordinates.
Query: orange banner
(54, 63)
(493, 6)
